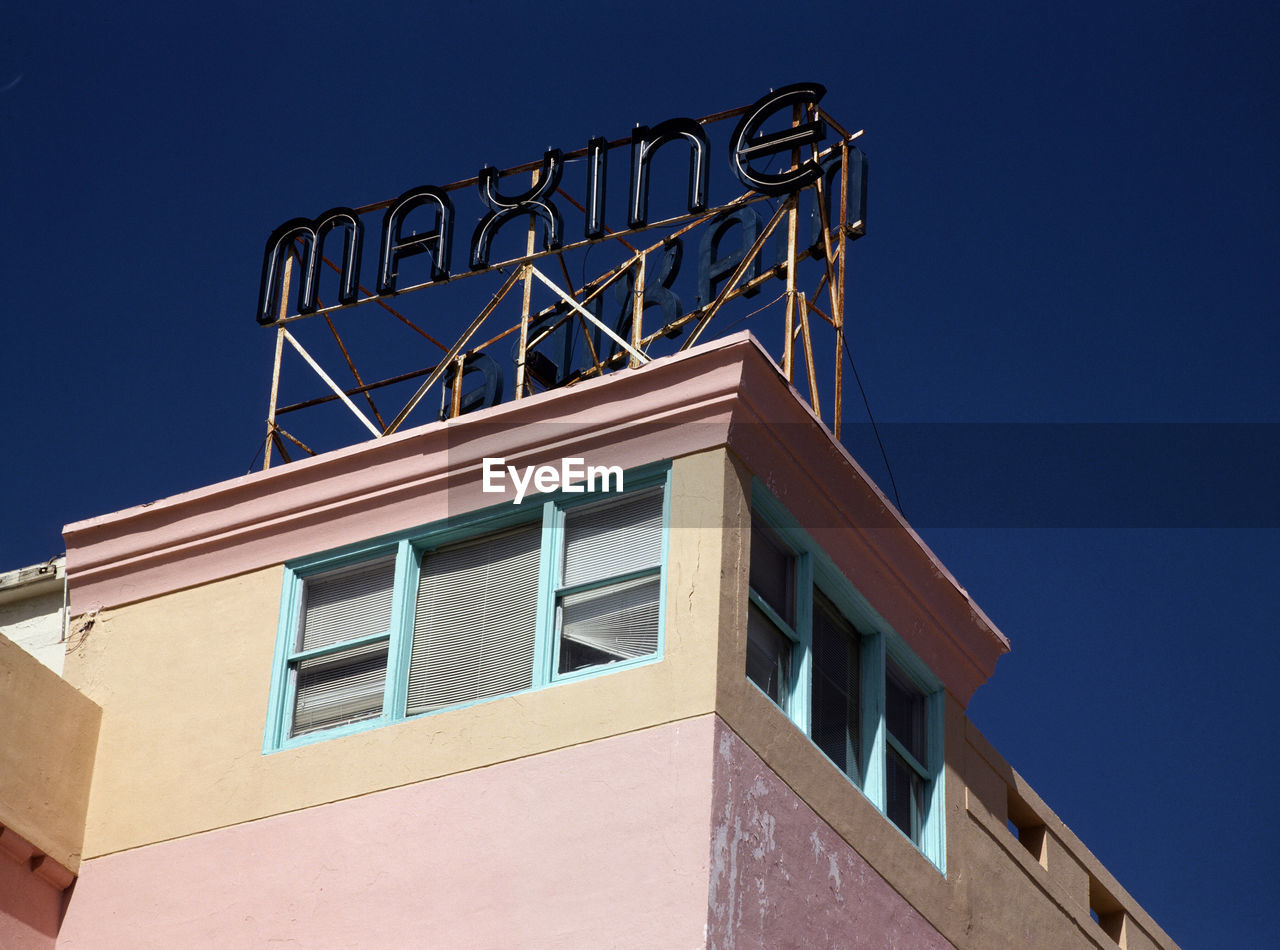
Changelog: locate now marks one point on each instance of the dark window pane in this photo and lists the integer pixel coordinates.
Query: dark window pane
(904, 713)
(768, 655)
(835, 721)
(905, 806)
(773, 572)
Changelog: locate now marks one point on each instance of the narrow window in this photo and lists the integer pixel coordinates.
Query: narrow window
(842, 676)
(475, 621)
(835, 723)
(770, 614)
(768, 655)
(773, 572)
(610, 580)
(907, 751)
(339, 662)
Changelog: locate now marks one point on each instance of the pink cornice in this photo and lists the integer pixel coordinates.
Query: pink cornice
(783, 443)
(672, 407)
(727, 392)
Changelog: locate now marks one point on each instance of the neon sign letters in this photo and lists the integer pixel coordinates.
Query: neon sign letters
(750, 154)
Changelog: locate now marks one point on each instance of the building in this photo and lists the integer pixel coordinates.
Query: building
(31, 610)
(48, 734)
(370, 700)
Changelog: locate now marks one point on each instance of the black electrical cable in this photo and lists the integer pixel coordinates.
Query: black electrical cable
(874, 428)
(254, 460)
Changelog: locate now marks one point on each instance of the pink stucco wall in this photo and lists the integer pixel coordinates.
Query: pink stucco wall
(599, 846)
(29, 907)
(781, 879)
(669, 838)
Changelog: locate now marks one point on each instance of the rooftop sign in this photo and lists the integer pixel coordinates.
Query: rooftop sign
(782, 147)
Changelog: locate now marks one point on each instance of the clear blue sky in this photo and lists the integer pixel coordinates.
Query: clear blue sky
(1072, 220)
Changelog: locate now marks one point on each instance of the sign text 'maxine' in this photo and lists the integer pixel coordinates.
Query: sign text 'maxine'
(749, 152)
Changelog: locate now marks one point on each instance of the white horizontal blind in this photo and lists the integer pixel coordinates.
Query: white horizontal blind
(340, 687)
(347, 604)
(346, 685)
(476, 620)
(612, 537)
(607, 622)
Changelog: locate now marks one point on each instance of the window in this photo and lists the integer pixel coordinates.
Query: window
(819, 650)
(475, 619)
(907, 776)
(340, 663)
(607, 593)
(771, 615)
(511, 599)
(837, 692)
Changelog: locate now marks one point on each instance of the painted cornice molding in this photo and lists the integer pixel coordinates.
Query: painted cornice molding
(724, 393)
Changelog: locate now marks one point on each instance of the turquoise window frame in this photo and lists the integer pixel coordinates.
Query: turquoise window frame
(551, 566)
(797, 690)
(879, 645)
(409, 547)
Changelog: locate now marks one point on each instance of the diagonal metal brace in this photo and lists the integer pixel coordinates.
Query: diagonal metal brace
(590, 316)
(330, 383)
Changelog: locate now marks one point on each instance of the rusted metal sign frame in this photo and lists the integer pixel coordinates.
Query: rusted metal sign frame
(798, 306)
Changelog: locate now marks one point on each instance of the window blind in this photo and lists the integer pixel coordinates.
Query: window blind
(345, 685)
(612, 537)
(347, 604)
(607, 622)
(476, 620)
(340, 687)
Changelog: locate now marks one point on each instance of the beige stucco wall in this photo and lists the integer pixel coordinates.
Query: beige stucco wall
(48, 735)
(183, 680)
